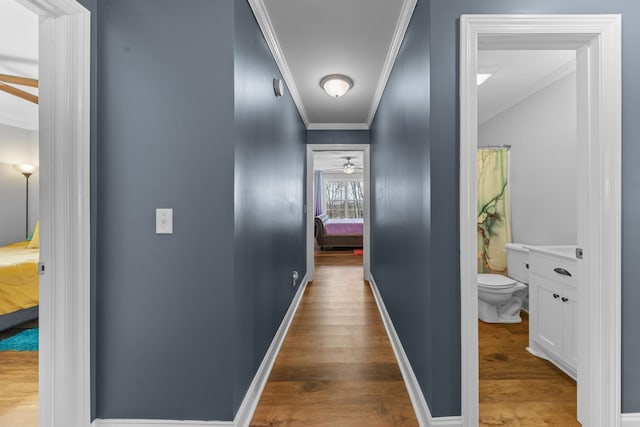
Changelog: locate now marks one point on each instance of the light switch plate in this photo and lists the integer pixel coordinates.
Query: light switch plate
(164, 221)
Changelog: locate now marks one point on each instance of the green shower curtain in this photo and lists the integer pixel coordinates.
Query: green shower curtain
(494, 217)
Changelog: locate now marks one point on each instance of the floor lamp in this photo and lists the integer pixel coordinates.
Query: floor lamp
(26, 170)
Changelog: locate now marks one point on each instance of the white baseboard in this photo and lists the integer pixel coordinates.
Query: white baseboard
(630, 420)
(160, 423)
(420, 406)
(251, 398)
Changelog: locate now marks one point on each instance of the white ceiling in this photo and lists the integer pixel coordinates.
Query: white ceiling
(18, 57)
(360, 38)
(333, 161)
(311, 39)
(516, 75)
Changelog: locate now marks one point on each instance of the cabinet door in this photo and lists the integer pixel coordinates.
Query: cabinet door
(570, 322)
(546, 314)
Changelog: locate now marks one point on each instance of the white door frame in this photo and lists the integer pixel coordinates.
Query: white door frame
(597, 41)
(366, 243)
(65, 247)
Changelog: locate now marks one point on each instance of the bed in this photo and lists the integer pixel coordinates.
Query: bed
(18, 284)
(338, 232)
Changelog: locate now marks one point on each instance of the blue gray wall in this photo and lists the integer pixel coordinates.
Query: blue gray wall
(270, 238)
(444, 133)
(187, 119)
(435, 39)
(165, 140)
(401, 218)
(338, 137)
(170, 333)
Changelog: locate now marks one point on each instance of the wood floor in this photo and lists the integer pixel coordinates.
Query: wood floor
(336, 366)
(18, 386)
(516, 388)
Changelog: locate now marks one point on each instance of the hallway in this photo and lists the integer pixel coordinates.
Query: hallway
(336, 366)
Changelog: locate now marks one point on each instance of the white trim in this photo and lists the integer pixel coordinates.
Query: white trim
(17, 123)
(162, 423)
(630, 420)
(396, 42)
(337, 126)
(251, 397)
(366, 243)
(596, 39)
(262, 16)
(65, 246)
(420, 406)
(264, 21)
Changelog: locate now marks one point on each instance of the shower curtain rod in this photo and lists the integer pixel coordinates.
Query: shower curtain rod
(494, 147)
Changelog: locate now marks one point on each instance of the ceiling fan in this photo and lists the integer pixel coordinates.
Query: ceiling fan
(7, 82)
(350, 167)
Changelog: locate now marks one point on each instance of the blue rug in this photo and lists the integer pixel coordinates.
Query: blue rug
(24, 341)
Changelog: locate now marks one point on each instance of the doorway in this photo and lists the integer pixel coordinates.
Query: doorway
(65, 242)
(526, 191)
(596, 41)
(342, 161)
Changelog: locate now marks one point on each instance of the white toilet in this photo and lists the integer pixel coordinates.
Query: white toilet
(500, 297)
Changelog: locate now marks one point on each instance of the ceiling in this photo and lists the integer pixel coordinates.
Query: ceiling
(359, 38)
(333, 161)
(311, 39)
(18, 57)
(516, 75)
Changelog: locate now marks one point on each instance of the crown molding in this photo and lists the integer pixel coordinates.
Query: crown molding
(337, 126)
(17, 123)
(262, 16)
(531, 90)
(396, 42)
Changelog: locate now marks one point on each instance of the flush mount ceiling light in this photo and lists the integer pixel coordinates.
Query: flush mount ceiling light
(481, 78)
(336, 85)
(348, 167)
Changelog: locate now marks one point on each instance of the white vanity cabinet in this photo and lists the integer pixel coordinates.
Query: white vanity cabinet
(553, 306)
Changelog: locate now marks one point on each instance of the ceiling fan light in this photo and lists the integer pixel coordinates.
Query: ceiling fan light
(336, 85)
(348, 167)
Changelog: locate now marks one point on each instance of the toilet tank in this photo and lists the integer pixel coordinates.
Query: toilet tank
(518, 262)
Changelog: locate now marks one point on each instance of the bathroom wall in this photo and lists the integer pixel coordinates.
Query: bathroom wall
(542, 133)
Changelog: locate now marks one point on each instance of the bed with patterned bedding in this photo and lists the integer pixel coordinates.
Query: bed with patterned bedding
(18, 284)
(338, 232)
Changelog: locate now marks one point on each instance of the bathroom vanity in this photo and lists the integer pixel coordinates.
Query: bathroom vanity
(553, 305)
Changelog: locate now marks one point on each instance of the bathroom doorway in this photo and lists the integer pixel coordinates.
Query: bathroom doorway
(341, 170)
(527, 200)
(592, 38)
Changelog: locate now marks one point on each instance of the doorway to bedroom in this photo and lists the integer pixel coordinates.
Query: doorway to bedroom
(337, 206)
(20, 214)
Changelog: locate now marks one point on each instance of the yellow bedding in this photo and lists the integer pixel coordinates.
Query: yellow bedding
(18, 277)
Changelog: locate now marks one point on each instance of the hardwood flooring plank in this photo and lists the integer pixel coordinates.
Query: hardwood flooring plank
(18, 388)
(336, 366)
(517, 388)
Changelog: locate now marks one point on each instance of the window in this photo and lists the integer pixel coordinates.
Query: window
(344, 197)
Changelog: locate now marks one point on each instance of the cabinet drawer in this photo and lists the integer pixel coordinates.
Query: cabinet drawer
(555, 268)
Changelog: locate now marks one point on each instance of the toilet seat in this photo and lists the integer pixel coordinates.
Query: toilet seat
(495, 281)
